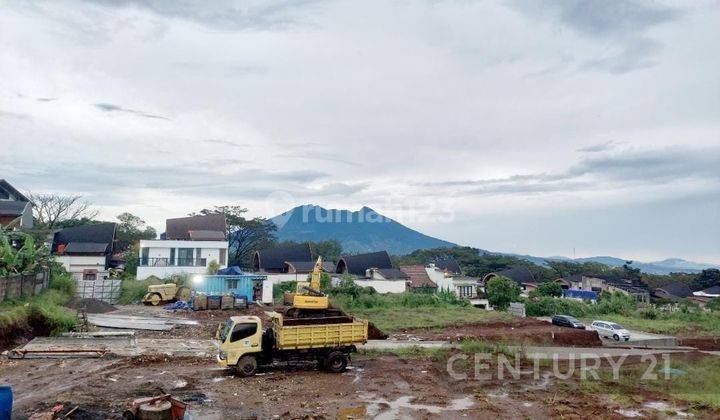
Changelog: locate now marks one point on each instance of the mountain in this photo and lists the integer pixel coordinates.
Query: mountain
(359, 231)
(666, 266)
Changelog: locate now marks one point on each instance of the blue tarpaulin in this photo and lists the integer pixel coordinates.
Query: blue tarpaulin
(580, 294)
(230, 271)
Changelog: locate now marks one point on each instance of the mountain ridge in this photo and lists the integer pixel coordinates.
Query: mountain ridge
(366, 230)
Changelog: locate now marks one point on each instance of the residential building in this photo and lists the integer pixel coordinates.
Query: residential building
(15, 208)
(282, 259)
(418, 278)
(607, 284)
(358, 264)
(85, 251)
(374, 270)
(448, 278)
(673, 291)
(711, 292)
(188, 246)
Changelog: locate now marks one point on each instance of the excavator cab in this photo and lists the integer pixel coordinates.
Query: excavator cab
(309, 296)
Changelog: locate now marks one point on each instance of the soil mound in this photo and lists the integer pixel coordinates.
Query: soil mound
(91, 306)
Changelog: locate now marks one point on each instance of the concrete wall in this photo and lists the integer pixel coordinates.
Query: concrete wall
(383, 286)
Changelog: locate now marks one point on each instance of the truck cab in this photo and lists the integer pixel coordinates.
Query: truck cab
(239, 336)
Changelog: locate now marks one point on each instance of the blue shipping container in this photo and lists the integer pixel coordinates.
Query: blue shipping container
(221, 285)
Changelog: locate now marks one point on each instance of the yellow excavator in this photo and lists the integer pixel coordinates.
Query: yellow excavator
(308, 301)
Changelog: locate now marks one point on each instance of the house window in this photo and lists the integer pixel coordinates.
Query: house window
(185, 257)
(144, 255)
(90, 274)
(172, 256)
(223, 256)
(465, 291)
(232, 284)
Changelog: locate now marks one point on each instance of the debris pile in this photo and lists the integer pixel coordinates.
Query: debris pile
(91, 306)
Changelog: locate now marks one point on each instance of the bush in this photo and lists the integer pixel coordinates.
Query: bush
(285, 287)
(62, 281)
(615, 303)
(501, 291)
(132, 291)
(714, 305)
(368, 298)
(213, 267)
(547, 289)
(549, 306)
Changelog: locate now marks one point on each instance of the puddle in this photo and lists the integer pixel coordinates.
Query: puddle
(381, 409)
(179, 384)
(628, 413)
(665, 407)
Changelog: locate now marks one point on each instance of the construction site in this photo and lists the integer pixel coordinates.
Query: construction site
(306, 359)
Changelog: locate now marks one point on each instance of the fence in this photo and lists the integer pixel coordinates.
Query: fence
(20, 285)
(107, 290)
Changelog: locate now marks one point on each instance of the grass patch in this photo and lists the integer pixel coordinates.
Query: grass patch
(132, 291)
(697, 386)
(396, 319)
(44, 314)
(413, 352)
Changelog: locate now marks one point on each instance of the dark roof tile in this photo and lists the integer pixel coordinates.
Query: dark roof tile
(273, 259)
(179, 228)
(358, 264)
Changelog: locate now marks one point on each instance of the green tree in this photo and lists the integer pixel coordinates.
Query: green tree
(501, 291)
(244, 235)
(130, 231)
(132, 260)
(329, 250)
(707, 278)
(547, 289)
(213, 267)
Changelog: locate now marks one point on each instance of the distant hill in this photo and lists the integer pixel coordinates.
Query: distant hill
(666, 266)
(359, 231)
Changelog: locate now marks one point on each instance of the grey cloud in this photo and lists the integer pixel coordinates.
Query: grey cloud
(233, 15)
(341, 188)
(607, 18)
(226, 143)
(14, 115)
(601, 147)
(310, 155)
(624, 23)
(107, 107)
(654, 167)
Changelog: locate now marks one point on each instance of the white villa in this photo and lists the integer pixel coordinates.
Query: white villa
(188, 246)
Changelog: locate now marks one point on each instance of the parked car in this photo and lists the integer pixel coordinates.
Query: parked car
(567, 321)
(606, 329)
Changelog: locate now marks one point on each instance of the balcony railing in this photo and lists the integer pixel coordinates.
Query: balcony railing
(176, 262)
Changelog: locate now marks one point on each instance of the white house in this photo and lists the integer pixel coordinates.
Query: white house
(188, 246)
(85, 251)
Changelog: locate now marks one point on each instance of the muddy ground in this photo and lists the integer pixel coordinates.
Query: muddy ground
(384, 386)
(376, 385)
(522, 330)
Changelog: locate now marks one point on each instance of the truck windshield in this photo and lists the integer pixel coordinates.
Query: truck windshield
(225, 331)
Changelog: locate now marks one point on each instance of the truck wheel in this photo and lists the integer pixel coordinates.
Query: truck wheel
(336, 362)
(246, 366)
(154, 299)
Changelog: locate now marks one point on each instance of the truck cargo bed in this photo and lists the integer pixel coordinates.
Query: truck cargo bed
(288, 337)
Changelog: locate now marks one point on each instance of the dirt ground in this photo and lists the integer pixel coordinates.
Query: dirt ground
(383, 387)
(523, 330)
(376, 385)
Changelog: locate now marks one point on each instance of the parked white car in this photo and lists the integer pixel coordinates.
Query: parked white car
(606, 329)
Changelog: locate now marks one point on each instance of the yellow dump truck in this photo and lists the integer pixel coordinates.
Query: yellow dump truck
(244, 345)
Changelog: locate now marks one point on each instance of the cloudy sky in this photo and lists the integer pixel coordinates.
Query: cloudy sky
(534, 127)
